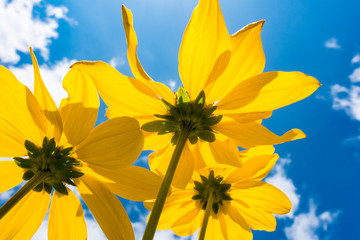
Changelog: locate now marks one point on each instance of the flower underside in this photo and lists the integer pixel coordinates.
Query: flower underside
(193, 116)
(54, 160)
(211, 185)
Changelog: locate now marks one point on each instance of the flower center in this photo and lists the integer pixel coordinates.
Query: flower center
(194, 116)
(52, 159)
(211, 185)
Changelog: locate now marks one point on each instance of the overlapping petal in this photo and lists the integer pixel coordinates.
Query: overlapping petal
(21, 116)
(135, 65)
(125, 96)
(66, 217)
(268, 91)
(205, 47)
(106, 208)
(78, 111)
(114, 144)
(253, 134)
(54, 123)
(10, 175)
(22, 221)
(247, 60)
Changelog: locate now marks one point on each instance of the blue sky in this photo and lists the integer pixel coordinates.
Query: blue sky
(319, 173)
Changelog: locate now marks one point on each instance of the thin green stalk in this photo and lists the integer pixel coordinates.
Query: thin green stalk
(30, 185)
(206, 216)
(165, 186)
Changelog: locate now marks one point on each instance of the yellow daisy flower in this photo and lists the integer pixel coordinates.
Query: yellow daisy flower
(61, 147)
(227, 202)
(225, 94)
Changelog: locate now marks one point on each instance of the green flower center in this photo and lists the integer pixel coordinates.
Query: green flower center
(54, 160)
(212, 185)
(194, 116)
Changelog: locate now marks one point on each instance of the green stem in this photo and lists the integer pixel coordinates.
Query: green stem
(206, 216)
(30, 185)
(165, 186)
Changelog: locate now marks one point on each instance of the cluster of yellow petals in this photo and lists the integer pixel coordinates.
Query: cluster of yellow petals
(228, 68)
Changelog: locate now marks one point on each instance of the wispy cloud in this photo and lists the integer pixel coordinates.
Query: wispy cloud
(172, 84)
(52, 76)
(347, 99)
(20, 29)
(307, 225)
(356, 58)
(332, 43)
(279, 179)
(117, 62)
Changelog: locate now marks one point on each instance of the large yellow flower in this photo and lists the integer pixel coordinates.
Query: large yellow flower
(225, 94)
(237, 198)
(63, 148)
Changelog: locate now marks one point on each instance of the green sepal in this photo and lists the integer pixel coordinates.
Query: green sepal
(211, 120)
(206, 136)
(23, 163)
(204, 179)
(166, 117)
(45, 142)
(215, 207)
(208, 111)
(175, 138)
(27, 175)
(182, 96)
(226, 197)
(71, 173)
(62, 163)
(68, 181)
(39, 187)
(65, 152)
(33, 151)
(48, 188)
(161, 126)
(197, 197)
(193, 139)
(50, 148)
(60, 188)
(168, 105)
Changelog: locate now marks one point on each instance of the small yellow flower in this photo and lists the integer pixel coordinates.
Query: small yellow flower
(62, 147)
(239, 200)
(224, 99)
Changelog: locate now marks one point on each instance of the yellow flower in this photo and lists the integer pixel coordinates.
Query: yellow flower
(240, 201)
(225, 94)
(63, 148)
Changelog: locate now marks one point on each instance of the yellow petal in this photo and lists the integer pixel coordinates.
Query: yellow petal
(205, 47)
(154, 141)
(248, 117)
(135, 65)
(255, 168)
(106, 208)
(22, 221)
(10, 175)
(45, 100)
(133, 183)
(115, 143)
(160, 160)
(261, 195)
(253, 134)
(213, 229)
(220, 153)
(189, 218)
(125, 96)
(171, 213)
(79, 111)
(247, 60)
(236, 226)
(66, 217)
(255, 218)
(268, 91)
(256, 152)
(21, 117)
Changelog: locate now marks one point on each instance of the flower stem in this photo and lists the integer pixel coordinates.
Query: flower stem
(206, 216)
(165, 186)
(30, 185)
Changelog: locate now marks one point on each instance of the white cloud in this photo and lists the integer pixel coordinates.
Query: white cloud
(59, 13)
(20, 29)
(306, 225)
(117, 62)
(347, 99)
(172, 84)
(332, 43)
(279, 179)
(355, 76)
(52, 76)
(356, 58)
